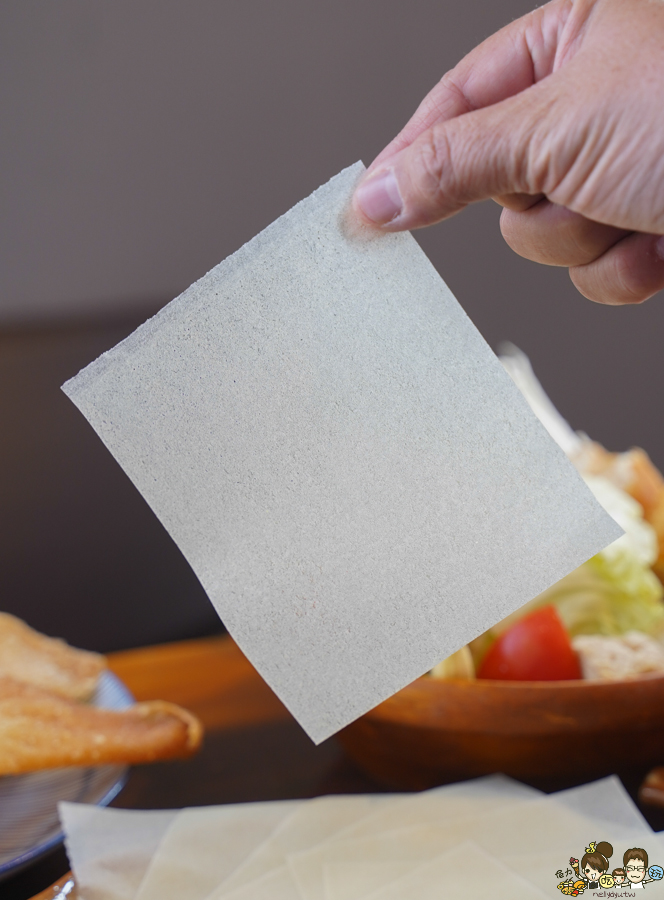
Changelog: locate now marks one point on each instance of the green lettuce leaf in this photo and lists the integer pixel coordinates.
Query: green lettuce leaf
(610, 594)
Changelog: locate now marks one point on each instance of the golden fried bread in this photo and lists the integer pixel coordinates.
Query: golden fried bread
(41, 731)
(45, 662)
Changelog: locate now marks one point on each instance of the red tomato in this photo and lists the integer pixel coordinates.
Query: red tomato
(536, 648)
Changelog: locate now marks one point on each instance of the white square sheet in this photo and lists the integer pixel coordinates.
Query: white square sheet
(465, 873)
(310, 824)
(354, 478)
(110, 850)
(204, 845)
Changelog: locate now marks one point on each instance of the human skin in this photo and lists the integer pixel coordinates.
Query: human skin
(559, 117)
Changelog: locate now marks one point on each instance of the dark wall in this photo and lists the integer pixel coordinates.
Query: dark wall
(81, 553)
(145, 140)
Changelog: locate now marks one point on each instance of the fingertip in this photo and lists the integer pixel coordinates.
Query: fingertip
(592, 291)
(628, 274)
(377, 198)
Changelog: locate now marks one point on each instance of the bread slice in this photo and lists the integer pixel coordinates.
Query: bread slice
(39, 730)
(45, 662)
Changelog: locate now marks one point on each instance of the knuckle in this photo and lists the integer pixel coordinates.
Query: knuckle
(535, 160)
(543, 159)
(436, 163)
(454, 95)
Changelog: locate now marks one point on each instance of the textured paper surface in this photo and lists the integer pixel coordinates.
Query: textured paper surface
(418, 827)
(549, 824)
(323, 822)
(465, 873)
(605, 800)
(310, 824)
(357, 482)
(524, 835)
(354, 880)
(203, 846)
(414, 846)
(509, 832)
(275, 885)
(612, 815)
(110, 849)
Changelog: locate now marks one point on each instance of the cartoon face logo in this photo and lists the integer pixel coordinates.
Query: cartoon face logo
(635, 873)
(595, 862)
(619, 877)
(635, 863)
(592, 871)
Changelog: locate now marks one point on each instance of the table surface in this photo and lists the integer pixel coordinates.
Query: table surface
(253, 750)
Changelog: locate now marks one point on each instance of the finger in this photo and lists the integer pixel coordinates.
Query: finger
(506, 63)
(630, 272)
(555, 236)
(486, 153)
(518, 202)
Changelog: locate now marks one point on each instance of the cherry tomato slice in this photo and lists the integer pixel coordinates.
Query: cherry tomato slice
(536, 648)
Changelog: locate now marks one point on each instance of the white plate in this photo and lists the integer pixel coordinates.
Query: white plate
(29, 825)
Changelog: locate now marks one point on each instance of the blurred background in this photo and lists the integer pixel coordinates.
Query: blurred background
(142, 141)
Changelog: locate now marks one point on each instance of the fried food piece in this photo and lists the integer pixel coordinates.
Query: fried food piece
(41, 731)
(635, 473)
(45, 662)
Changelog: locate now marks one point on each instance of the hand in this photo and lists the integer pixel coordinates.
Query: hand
(560, 118)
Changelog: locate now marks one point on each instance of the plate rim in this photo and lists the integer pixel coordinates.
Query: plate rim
(31, 854)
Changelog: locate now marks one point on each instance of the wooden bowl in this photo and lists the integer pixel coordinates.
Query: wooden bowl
(546, 733)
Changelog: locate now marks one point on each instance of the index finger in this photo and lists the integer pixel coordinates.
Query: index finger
(508, 62)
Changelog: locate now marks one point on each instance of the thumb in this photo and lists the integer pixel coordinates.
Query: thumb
(478, 155)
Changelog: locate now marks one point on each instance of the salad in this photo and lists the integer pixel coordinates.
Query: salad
(605, 620)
